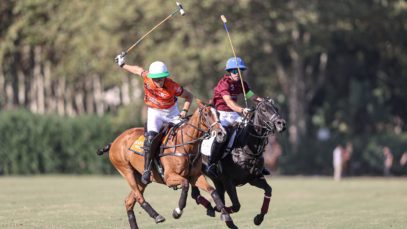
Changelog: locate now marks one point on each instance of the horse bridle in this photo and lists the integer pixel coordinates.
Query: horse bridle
(204, 136)
(268, 125)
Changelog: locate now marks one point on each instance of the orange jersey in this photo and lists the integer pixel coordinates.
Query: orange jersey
(160, 97)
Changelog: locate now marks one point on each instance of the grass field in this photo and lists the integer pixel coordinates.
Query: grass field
(297, 202)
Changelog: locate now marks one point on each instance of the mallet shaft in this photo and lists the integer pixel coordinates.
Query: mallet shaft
(151, 30)
(223, 18)
(179, 9)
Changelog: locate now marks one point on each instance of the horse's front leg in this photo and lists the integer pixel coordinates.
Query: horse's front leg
(231, 190)
(173, 180)
(196, 195)
(201, 183)
(182, 200)
(261, 182)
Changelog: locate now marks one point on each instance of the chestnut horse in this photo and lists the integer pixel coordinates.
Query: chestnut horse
(179, 159)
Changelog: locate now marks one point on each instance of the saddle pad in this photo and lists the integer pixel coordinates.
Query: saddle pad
(206, 146)
(138, 144)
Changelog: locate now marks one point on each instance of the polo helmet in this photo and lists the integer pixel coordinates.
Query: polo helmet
(234, 63)
(158, 70)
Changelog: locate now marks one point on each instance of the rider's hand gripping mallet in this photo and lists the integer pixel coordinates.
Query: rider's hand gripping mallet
(234, 54)
(179, 9)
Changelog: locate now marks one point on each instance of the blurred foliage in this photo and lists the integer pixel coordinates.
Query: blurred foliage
(362, 98)
(33, 144)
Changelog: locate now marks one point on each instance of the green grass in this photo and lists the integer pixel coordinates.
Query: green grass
(297, 202)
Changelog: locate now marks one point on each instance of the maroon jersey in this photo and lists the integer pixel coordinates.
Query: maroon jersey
(227, 86)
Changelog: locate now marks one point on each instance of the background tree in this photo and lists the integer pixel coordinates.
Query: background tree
(339, 66)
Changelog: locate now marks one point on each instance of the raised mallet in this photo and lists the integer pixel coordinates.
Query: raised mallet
(234, 54)
(179, 9)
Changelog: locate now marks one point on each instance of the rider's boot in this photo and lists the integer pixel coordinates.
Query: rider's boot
(216, 154)
(145, 178)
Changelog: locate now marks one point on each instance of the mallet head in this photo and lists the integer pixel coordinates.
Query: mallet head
(223, 18)
(181, 9)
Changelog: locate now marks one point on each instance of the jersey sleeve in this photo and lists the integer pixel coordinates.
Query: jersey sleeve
(223, 88)
(175, 88)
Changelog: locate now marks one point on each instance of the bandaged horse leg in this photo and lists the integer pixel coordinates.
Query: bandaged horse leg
(182, 201)
(144, 204)
(129, 203)
(152, 213)
(220, 188)
(262, 183)
(204, 185)
(134, 181)
(196, 195)
(175, 180)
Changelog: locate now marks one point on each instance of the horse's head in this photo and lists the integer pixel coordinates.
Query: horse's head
(266, 116)
(209, 121)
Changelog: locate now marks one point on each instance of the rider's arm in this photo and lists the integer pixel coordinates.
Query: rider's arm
(232, 104)
(188, 99)
(133, 69)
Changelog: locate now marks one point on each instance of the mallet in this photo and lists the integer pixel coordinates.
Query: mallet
(179, 9)
(234, 54)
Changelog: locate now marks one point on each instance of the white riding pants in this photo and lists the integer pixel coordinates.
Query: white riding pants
(227, 118)
(157, 117)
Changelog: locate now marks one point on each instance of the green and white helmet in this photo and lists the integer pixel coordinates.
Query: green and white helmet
(158, 70)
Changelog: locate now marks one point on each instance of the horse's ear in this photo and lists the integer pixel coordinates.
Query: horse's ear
(270, 100)
(199, 102)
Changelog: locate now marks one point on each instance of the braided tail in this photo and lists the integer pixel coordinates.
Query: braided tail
(103, 150)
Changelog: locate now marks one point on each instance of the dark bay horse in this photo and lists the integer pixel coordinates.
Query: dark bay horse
(244, 163)
(179, 159)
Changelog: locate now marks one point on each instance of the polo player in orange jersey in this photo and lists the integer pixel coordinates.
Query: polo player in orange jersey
(160, 96)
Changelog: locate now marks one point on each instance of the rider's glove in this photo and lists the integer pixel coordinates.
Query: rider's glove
(246, 111)
(120, 59)
(183, 114)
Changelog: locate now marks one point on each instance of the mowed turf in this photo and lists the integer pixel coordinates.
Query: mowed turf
(297, 202)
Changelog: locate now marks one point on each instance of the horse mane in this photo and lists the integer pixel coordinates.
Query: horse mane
(189, 129)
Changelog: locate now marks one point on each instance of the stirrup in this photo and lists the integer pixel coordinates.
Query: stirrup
(145, 178)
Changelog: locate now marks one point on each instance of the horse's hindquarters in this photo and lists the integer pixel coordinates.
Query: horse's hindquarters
(120, 155)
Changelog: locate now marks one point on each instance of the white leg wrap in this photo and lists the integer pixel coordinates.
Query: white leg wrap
(179, 211)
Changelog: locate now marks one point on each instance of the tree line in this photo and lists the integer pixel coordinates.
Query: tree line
(335, 65)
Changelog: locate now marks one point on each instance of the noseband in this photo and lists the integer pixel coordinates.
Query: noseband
(268, 125)
(210, 126)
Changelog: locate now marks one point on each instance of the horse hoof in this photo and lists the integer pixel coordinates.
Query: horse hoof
(210, 212)
(159, 219)
(230, 224)
(176, 213)
(258, 219)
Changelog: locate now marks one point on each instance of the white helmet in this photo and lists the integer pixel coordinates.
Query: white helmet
(158, 70)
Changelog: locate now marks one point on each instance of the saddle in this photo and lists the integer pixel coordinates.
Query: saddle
(166, 131)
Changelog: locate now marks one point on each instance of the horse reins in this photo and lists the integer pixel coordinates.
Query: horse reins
(268, 129)
(205, 135)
